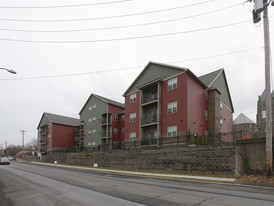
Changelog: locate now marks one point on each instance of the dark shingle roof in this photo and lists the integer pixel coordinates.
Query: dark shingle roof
(109, 101)
(106, 100)
(207, 79)
(58, 119)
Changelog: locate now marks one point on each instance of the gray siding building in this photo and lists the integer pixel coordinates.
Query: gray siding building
(96, 121)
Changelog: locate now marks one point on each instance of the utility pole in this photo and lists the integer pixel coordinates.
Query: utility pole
(23, 135)
(262, 6)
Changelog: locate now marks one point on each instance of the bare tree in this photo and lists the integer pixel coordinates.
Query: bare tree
(32, 145)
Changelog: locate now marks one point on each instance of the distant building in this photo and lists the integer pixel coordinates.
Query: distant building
(261, 112)
(166, 100)
(101, 122)
(56, 132)
(242, 125)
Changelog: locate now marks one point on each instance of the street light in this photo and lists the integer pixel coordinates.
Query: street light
(9, 70)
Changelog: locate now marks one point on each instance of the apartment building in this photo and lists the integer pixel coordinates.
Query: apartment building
(166, 100)
(57, 132)
(99, 122)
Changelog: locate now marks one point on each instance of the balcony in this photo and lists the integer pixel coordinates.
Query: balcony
(149, 120)
(105, 121)
(149, 99)
(104, 135)
(42, 131)
(42, 142)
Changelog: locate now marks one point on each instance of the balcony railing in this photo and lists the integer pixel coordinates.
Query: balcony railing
(42, 142)
(149, 120)
(150, 98)
(105, 121)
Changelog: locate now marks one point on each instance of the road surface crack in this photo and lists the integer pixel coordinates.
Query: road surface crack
(200, 203)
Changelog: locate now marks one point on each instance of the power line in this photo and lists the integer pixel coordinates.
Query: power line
(125, 38)
(61, 6)
(119, 27)
(106, 17)
(128, 68)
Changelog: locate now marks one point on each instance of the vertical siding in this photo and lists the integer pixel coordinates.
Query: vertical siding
(130, 108)
(86, 114)
(178, 94)
(227, 117)
(114, 110)
(196, 106)
(121, 126)
(63, 136)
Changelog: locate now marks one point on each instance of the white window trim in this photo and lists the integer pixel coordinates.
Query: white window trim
(172, 107)
(132, 117)
(172, 131)
(132, 98)
(115, 117)
(172, 84)
(132, 136)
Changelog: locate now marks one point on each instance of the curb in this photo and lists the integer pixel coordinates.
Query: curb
(156, 175)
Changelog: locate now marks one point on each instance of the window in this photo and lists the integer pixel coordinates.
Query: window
(115, 117)
(123, 117)
(221, 121)
(89, 120)
(94, 119)
(132, 98)
(172, 131)
(89, 132)
(89, 108)
(132, 137)
(123, 131)
(221, 105)
(115, 131)
(263, 113)
(132, 117)
(172, 107)
(94, 107)
(93, 131)
(206, 115)
(172, 83)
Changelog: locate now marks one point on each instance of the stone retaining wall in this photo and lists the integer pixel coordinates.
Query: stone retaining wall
(218, 159)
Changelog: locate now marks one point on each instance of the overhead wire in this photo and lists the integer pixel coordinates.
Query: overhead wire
(106, 17)
(125, 38)
(128, 68)
(120, 27)
(62, 6)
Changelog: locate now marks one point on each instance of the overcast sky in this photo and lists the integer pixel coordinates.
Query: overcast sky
(64, 50)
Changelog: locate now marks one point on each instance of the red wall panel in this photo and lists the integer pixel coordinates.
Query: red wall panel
(130, 108)
(196, 106)
(114, 110)
(63, 136)
(168, 96)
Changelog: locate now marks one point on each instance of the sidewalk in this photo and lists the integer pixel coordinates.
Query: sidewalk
(147, 174)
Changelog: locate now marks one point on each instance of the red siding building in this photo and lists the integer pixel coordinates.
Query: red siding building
(57, 132)
(167, 101)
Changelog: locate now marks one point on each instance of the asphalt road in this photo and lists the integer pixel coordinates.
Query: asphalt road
(26, 184)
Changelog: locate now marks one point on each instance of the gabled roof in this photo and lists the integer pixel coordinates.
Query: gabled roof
(151, 72)
(242, 119)
(157, 71)
(58, 119)
(209, 78)
(106, 100)
(217, 79)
